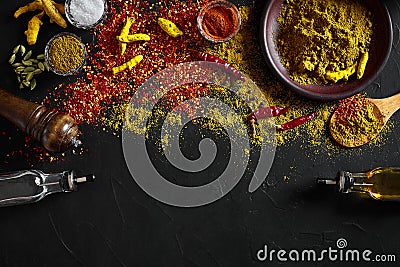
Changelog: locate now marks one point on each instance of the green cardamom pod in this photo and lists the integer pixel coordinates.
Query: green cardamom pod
(12, 59)
(28, 55)
(26, 83)
(28, 69)
(46, 65)
(29, 76)
(27, 63)
(33, 84)
(19, 69)
(41, 66)
(40, 57)
(16, 49)
(37, 71)
(22, 49)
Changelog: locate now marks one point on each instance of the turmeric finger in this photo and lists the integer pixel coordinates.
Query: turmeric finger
(133, 38)
(134, 61)
(169, 27)
(125, 31)
(60, 7)
(335, 76)
(129, 22)
(33, 6)
(122, 47)
(53, 13)
(128, 65)
(362, 65)
(33, 28)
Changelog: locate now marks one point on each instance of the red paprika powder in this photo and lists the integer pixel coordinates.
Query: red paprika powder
(219, 21)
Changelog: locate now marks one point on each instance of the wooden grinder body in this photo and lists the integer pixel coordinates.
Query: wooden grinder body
(55, 131)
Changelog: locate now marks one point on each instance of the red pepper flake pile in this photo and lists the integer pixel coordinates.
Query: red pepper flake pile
(355, 122)
(30, 152)
(87, 98)
(350, 107)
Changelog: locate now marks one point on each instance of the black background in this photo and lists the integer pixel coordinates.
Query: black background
(112, 222)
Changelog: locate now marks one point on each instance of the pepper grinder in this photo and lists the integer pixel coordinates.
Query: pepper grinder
(55, 131)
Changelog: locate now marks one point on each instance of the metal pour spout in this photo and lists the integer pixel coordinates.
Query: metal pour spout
(326, 181)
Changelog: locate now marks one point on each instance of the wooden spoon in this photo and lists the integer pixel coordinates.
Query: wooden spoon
(383, 109)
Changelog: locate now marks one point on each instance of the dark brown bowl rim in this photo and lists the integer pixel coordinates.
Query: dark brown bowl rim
(311, 94)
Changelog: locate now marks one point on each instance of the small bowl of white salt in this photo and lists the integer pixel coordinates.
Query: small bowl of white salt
(85, 14)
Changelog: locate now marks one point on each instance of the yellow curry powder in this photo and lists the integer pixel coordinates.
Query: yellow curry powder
(323, 41)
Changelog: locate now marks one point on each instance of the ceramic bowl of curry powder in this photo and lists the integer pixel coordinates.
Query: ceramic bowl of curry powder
(65, 54)
(326, 49)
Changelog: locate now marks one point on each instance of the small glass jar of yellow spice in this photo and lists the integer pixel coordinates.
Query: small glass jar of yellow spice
(65, 54)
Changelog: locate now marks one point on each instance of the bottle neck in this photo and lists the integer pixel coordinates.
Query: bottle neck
(58, 182)
(349, 182)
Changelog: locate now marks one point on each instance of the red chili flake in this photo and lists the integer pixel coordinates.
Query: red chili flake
(87, 98)
(32, 152)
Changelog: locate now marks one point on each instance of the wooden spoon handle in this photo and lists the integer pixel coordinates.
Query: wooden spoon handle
(388, 106)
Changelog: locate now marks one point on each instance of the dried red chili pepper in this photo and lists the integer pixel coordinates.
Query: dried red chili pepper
(296, 122)
(265, 113)
(211, 58)
(268, 112)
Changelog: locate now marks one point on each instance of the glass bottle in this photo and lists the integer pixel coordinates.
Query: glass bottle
(23, 187)
(380, 183)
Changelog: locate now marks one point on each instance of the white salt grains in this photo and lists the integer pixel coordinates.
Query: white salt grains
(85, 13)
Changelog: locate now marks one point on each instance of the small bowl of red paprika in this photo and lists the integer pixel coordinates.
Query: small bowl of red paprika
(219, 21)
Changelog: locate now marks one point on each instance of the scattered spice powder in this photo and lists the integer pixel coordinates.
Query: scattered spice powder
(98, 98)
(241, 52)
(66, 53)
(322, 41)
